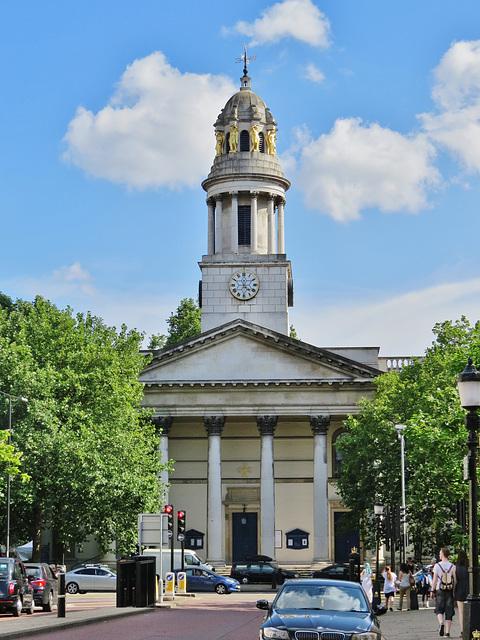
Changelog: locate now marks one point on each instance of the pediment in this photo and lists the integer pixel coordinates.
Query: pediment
(243, 352)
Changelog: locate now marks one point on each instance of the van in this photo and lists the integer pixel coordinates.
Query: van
(190, 560)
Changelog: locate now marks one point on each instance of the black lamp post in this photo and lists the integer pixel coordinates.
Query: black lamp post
(377, 599)
(469, 390)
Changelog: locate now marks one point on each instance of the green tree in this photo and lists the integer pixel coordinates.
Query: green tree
(423, 397)
(184, 323)
(91, 454)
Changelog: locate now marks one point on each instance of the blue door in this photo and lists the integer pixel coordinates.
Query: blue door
(244, 536)
(344, 540)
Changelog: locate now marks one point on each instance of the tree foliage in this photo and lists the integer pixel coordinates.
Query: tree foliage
(91, 454)
(423, 397)
(184, 323)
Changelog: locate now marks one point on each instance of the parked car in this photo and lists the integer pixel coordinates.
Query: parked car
(319, 609)
(44, 584)
(259, 572)
(16, 593)
(337, 571)
(90, 578)
(203, 580)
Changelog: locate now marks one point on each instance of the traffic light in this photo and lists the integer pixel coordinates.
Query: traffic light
(168, 509)
(181, 515)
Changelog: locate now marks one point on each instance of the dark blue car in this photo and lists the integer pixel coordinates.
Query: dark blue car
(317, 609)
(203, 580)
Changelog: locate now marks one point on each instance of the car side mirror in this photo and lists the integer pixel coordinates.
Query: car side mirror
(379, 609)
(262, 604)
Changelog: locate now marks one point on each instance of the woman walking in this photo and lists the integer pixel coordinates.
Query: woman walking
(366, 580)
(389, 587)
(461, 584)
(404, 576)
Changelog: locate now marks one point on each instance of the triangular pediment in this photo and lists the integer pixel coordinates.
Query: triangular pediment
(241, 352)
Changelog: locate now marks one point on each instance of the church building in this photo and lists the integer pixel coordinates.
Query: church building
(249, 415)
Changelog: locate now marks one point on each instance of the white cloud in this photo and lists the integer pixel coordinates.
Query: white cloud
(299, 19)
(157, 129)
(401, 325)
(357, 166)
(456, 125)
(313, 73)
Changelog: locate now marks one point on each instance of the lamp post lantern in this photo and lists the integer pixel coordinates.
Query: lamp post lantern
(377, 599)
(468, 383)
(9, 396)
(403, 511)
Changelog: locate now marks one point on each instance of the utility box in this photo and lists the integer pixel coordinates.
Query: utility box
(136, 582)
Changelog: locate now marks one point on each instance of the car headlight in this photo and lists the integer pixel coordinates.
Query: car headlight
(278, 634)
(366, 635)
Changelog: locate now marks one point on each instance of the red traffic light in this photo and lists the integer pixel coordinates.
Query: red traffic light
(168, 508)
(181, 514)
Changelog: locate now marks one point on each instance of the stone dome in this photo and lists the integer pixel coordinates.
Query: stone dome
(245, 106)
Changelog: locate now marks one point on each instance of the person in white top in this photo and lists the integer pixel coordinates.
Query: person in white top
(366, 580)
(442, 590)
(389, 587)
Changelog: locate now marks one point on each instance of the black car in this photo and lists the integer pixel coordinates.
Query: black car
(260, 572)
(337, 571)
(16, 594)
(317, 609)
(44, 584)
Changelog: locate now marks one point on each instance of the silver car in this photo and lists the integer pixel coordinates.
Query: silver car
(90, 578)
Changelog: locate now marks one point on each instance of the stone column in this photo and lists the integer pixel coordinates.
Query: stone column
(271, 224)
(281, 226)
(211, 226)
(266, 426)
(254, 221)
(320, 426)
(219, 222)
(234, 222)
(214, 427)
(163, 425)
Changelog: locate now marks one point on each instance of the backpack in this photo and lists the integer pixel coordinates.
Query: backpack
(446, 583)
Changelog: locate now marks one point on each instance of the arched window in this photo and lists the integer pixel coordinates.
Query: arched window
(337, 456)
(244, 140)
(262, 142)
(227, 143)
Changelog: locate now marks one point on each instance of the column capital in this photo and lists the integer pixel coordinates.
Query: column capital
(266, 425)
(234, 194)
(281, 201)
(162, 424)
(254, 194)
(219, 197)
(214, 425)
(210, 202)
(320, 424)
(271, 197)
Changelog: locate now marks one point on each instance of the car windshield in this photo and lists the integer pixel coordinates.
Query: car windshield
(4, 569)
(34, 572)
(322, 597)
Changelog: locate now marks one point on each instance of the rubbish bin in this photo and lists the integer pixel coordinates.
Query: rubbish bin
(136, 581)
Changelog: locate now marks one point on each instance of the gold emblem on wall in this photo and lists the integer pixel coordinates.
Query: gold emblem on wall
(244, 470)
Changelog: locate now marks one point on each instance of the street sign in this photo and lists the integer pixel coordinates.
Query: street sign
(170, 534)
(181, 537)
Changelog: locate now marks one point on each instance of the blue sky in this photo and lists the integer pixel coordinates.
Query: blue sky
(106, 130)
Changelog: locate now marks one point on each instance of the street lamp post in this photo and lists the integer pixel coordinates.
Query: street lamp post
(377, 599)
(403, 513)
(469, 390)
(9, 396)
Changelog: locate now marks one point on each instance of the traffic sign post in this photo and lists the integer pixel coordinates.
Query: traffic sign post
(170, 584)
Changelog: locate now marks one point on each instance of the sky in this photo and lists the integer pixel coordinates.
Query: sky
(106, 132)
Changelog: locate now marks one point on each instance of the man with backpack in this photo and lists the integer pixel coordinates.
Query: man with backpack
(442, 589)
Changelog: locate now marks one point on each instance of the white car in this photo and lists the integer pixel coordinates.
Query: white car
(90, 578)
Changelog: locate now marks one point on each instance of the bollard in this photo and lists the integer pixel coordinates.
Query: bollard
(61, 596)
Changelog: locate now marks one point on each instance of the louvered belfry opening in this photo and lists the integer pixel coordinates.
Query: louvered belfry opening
(244, 224)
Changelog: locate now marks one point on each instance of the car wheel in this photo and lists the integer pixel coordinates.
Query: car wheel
(31, 608)
(17, 611)
(48, 606)
(72, 588)
(244, 580)
(221, 588)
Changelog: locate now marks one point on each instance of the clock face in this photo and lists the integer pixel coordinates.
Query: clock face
(244, 285)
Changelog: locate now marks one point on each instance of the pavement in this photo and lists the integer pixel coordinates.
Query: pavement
(395, 625)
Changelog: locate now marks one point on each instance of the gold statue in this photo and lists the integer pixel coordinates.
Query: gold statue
(271, 139)
(233, 139)
(220, 140)
(255, 138)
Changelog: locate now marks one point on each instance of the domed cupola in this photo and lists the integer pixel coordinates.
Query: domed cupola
(246, 199)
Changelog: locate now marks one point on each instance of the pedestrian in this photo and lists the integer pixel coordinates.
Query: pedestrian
(405, 582)
(426, 586)
(442, 589)
(461, 585)
(366, 580)
(411, 565)
(389, 587)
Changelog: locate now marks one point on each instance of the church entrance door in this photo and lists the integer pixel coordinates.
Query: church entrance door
(344, 540)
(244, 535)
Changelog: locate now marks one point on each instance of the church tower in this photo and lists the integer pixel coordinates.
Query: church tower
(245, 273)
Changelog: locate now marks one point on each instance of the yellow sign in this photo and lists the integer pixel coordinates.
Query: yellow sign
(181, 582)
(170, 584)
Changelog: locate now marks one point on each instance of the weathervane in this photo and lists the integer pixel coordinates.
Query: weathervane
(245, 59)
